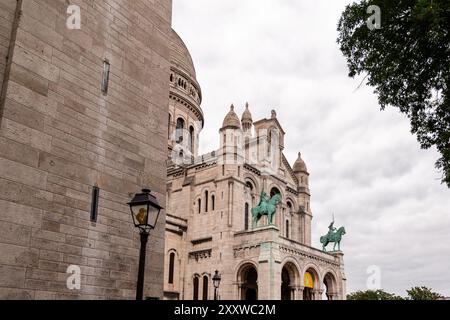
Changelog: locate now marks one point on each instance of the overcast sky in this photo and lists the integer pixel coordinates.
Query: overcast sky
(365, 165)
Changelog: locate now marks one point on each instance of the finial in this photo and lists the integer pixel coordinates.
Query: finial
(299, 155)
(246, 105)
(232, 107)
(274, 114)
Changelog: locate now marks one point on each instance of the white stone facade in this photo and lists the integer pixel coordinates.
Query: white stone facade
(209, 223)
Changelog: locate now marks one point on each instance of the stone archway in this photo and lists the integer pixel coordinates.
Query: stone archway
(330, 283)
(289, 280)
(248, 280)
(311, 286)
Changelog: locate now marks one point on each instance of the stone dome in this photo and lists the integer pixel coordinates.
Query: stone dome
(247, 116)
(231, 120)
(299, 165)
(180, 56)
(185, 92)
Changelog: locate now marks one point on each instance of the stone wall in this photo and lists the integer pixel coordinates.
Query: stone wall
(60, 136)
(7, 14)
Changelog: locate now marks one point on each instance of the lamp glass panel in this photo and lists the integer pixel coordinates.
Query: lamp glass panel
(140, 214)
(152, 216)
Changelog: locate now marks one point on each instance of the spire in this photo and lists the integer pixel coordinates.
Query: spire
(274, 114)
(246, 119)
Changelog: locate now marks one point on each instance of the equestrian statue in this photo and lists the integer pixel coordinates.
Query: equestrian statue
(333, 235)
(266, 207)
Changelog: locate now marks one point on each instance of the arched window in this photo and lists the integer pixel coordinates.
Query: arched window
(171, 77)
(191, 139)
(180, 129)
(196, 283)
(274, 191)
(179, 81)
(199, 205)
(246, 216)
(206, 201)
(289, 205)
(171, 266)
(205, 287)
(287, 228)
(213, 202)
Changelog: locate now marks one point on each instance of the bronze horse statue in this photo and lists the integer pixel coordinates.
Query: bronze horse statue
(265, 208)
(332, 237)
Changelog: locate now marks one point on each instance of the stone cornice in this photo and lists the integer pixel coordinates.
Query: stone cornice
(201, 240)
(309, 256)
(184, 100)
(252, 169)
(293, 191)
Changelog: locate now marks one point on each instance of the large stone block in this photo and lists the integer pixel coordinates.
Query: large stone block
(13, 277)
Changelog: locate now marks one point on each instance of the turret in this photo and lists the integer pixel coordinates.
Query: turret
(247, 121)
(301, 172)
(231, 138)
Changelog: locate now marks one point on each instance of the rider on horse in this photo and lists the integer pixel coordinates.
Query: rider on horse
(331, 230)
(263, 198)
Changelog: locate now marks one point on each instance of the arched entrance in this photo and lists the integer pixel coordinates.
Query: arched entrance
(289, 281)
(285, 285)
(330, 286)
(310, 284)
(248, 278)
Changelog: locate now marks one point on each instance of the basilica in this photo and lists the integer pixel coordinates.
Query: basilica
(210, 225)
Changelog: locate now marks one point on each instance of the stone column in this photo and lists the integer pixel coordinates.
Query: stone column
(300, 292)
(239, 290)
(318, 294)
(294, 290)
(332, 296)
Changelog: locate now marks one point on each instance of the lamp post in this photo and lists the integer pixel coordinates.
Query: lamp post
(145, 212)
(216, 282)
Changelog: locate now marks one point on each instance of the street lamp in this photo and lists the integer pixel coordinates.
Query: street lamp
(216, 282)
(145, 212)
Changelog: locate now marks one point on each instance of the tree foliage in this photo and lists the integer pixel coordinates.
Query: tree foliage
(415, 293)
(373, 295)
(407, 62)
(422, 293)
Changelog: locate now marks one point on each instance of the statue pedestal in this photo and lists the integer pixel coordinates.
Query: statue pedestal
(266, 227)
(340, 256)
(269, 265)
(267, 238)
